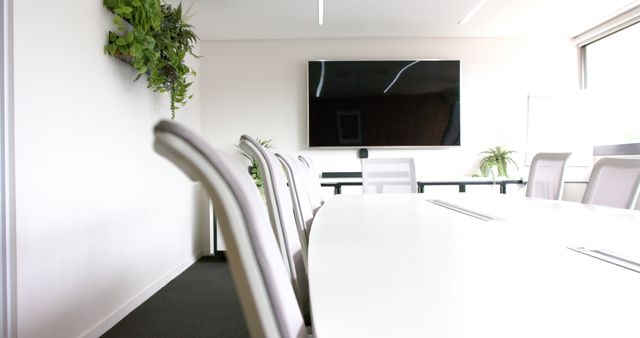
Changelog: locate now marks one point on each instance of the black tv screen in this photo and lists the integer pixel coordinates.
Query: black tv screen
(384, 103)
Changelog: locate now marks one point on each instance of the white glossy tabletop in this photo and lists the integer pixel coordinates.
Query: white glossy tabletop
(400, 266)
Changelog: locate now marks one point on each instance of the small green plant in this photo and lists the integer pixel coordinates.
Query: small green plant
(254, 169)
(154, 38)
(498, 158)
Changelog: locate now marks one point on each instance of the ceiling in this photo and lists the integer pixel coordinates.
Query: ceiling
(298, 19)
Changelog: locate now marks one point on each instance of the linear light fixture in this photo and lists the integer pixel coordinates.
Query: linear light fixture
(320, 12)
(471, 13)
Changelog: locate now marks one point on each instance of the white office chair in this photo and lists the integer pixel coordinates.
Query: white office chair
(546, 175)
(313, 183)
(389, 175)
(282, 218)
(614, 182)
(266, 296)
(299, 195)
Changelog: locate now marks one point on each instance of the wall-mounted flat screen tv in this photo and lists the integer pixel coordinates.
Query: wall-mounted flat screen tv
(412, 103)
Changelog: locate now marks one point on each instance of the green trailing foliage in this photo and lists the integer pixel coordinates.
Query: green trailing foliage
(496, 157)
(154, 38)
(254, 169)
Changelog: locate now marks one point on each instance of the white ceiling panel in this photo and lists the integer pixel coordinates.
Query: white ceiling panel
(290, 19)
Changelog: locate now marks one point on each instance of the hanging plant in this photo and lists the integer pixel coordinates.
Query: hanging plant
(154, 38)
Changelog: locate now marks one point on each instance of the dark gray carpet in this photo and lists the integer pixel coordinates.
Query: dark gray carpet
(201, 302)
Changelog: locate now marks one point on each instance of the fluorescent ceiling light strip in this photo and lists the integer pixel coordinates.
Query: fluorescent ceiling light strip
(399, 73)
(320, 12)
(473, 12)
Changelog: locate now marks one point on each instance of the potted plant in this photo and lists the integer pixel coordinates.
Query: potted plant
(496, 160)
(154, 38)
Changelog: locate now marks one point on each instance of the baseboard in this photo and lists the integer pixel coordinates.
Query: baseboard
(103, 326)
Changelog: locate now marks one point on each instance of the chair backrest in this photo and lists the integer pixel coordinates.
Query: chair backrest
(313, 183)
(388, 175)
(267, 298)
(614, 182)
(282, 217)
(299, 196)
(546, 175)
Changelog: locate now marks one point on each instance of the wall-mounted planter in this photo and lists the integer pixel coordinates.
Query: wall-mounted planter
(154, 38)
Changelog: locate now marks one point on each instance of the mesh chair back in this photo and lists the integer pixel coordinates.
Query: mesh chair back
(614, 182)
(546, 175)
(299, 196)
(266, 296)
(388, 175)
(282, 217)
(312, 175)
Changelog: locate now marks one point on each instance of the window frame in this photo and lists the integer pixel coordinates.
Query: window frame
(617, 22)
(8, 321)
(612, 25)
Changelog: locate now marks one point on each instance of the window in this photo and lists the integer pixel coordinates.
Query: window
(611, 73)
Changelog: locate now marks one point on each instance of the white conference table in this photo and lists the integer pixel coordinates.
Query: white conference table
(401, 266)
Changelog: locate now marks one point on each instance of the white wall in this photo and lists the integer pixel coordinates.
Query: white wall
(259, 88)
(102, 221)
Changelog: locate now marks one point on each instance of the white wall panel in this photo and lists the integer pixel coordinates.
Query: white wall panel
(259, 88)
(101, 219)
